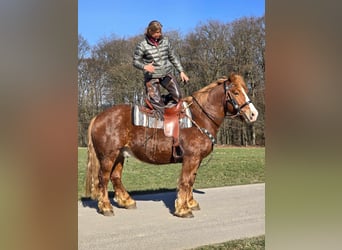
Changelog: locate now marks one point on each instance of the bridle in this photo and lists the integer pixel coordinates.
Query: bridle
(230, 99)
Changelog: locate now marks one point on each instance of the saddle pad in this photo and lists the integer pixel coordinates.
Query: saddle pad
(142, 119)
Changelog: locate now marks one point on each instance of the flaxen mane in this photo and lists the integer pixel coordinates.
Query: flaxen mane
(201, 95)
(238, 81)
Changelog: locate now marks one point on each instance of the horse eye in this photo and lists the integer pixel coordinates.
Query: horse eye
(236, 93)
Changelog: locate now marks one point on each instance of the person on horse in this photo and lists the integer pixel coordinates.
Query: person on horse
(156, 57)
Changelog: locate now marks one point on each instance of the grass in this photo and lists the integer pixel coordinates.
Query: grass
(254, 243)
(226, 166)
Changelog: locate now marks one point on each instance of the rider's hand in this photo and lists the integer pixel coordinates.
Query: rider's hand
(184, 77)
(149, 68)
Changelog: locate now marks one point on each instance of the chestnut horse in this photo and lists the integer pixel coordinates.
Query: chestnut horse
(111, 134)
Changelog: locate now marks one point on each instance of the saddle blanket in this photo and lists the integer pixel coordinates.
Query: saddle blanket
(142, 119)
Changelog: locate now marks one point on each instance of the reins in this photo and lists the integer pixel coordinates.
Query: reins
(202, 130)
(205, 112)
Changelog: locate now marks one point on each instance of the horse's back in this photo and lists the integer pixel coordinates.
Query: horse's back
(115, 111)
(111, 127)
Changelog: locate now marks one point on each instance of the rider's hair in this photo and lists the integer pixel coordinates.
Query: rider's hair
(153, 27)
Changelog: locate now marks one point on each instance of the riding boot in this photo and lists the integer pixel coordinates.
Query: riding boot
(170, 83)
(153, 95)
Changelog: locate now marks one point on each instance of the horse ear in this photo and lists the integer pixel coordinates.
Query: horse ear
(232, 77)
(222, 79)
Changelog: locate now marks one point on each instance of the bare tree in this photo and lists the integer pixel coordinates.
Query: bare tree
(206, 51)
(247, 52)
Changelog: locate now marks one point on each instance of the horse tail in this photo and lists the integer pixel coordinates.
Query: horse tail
(93, 166)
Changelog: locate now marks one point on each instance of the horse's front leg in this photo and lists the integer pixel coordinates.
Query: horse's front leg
(192, 203)
(185, 202)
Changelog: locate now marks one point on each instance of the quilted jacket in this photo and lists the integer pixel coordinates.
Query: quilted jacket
(162, 56)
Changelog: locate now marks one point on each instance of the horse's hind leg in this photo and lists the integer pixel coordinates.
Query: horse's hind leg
(104, 204)
(122, 197)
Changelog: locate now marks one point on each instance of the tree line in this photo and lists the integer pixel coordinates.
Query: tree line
(107, 77)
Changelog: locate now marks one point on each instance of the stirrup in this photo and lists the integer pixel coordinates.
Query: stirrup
(177, 152)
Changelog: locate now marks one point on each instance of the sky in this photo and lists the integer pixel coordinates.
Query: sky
(127, 18)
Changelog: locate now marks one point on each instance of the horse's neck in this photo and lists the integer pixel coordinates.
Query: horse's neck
(208, 115)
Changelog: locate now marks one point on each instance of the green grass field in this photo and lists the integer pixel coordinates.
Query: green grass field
(225, 167)
(254, 243)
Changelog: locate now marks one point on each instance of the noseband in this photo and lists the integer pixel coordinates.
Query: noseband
(229, 99)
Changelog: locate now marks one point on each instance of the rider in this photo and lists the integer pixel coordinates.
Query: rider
(155, 56)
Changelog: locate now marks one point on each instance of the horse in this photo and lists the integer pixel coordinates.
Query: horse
(111, 134)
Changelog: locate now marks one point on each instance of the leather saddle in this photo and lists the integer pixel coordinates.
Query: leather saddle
(171, 125)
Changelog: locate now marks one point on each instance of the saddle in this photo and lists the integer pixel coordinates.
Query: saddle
(171, 128)
(176, 116)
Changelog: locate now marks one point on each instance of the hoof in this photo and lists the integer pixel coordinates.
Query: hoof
(126, 203)
(132, 206)
(196, 208)
(184, 215)
(108, 213)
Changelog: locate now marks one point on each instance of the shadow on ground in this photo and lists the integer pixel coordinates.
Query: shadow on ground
(167, 196)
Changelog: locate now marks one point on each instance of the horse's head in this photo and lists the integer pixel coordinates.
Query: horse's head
(237, 102)
(233, 96)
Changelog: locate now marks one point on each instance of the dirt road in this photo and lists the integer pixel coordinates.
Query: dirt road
(226, 213)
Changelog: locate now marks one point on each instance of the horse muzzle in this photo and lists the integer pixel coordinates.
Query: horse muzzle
(250, 114)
